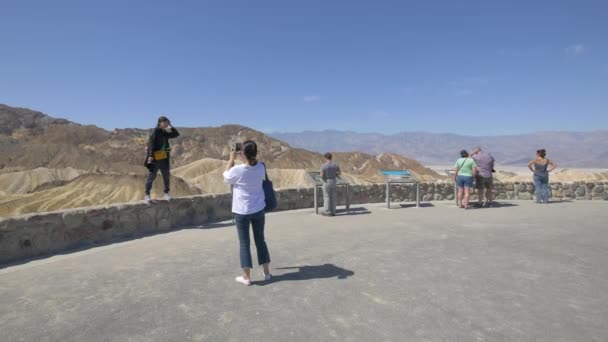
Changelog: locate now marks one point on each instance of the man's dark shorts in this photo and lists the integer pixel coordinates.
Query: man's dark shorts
(484, 182)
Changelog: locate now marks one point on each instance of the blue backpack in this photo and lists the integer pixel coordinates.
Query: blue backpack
(271, 198)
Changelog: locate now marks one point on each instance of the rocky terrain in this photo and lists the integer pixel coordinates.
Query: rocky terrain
(48, 163)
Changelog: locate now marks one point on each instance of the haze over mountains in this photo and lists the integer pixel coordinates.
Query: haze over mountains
(49, 164)
(568, 149)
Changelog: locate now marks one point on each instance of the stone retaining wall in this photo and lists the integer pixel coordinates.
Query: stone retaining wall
(503, 191)
(44, 233)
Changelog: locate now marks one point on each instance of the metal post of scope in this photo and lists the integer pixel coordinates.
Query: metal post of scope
(400, 177)
(318, 183)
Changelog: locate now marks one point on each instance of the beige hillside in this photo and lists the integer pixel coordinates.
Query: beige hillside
(366, 168)
(207, 175)
(23, 182)
(198, 168)
(89, 190)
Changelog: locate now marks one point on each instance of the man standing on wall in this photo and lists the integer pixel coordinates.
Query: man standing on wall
(329, 172)
(484, 180)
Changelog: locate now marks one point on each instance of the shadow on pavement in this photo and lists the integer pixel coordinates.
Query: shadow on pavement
(558, 201)
(354, 211)
(212, 225)
(308, 273)
(502, 205)
(494, 205)
(413, 205)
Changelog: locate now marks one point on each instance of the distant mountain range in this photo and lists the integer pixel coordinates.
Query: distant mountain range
(568, 149)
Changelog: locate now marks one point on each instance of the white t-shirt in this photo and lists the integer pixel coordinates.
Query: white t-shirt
(248, 194)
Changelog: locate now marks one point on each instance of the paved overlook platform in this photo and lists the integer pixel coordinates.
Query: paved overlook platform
(521, 272)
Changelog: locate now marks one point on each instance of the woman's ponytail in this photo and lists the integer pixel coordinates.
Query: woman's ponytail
(250, 151)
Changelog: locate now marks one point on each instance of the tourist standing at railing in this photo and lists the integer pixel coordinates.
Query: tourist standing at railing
(157, 156)
(541, 172)
(329, 173)
(248, 204)
(464, 173)
(484, 180)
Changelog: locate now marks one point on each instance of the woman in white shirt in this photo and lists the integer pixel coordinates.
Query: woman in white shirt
(248, 203)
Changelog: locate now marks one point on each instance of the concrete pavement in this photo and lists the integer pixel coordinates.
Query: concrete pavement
(522, 272)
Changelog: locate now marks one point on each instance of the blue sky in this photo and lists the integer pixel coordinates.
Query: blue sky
(469, 67)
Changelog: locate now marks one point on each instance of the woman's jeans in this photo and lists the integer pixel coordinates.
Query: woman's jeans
(541, 185)
(242, 228)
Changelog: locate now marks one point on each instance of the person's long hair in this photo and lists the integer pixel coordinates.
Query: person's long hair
(250, 151)
(160, 120)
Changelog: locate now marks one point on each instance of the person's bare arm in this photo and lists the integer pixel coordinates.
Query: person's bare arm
(553, 165)
(230, 163)
(530, 165)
